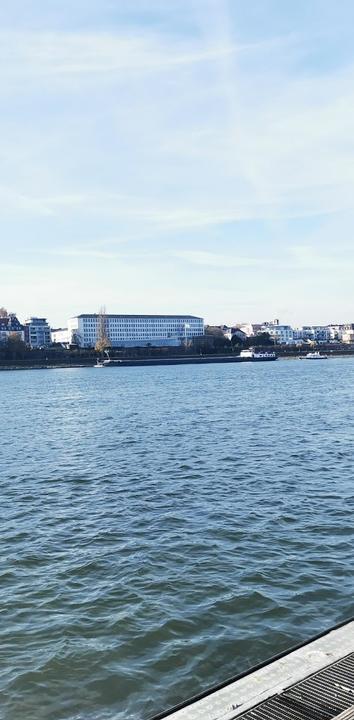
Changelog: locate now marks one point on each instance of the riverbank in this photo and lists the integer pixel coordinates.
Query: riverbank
(152, 362)
(145, 362)
(64, 366)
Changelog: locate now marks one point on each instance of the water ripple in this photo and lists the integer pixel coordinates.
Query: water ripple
(166, 528)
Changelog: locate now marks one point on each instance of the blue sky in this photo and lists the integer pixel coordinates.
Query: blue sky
(177, 156)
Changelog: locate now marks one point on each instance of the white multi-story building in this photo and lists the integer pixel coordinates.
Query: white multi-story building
(136, 330)
(60, 335)
(282, 334)
(335, 332)
(338, 332)
(37, 332)
(348, 336)
(321, 333)
(317, 333)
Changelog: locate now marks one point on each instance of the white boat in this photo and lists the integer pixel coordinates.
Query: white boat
(255, 356)
(107, 363)
(315, 356)
(101, 363)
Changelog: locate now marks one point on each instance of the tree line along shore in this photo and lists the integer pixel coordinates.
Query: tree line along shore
(15, 354)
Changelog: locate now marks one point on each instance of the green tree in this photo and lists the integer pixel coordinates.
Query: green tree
(218, 342)
(214, 331)
(237, 341)
(16, 348)
(262, 339)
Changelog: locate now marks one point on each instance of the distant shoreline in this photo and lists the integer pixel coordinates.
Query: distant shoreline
(152, 362)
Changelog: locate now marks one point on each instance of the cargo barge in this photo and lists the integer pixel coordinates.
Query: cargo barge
(202, 360)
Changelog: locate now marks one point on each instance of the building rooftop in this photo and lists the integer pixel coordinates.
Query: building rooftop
(114, 315)
(10, 322)
(35, 320)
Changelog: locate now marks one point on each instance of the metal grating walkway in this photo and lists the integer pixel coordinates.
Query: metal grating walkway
(313, 681)
(323, 696)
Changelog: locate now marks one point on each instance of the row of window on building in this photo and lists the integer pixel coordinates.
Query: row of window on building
(84, 329)
(122, 329)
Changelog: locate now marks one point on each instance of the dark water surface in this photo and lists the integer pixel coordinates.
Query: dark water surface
(165, 528)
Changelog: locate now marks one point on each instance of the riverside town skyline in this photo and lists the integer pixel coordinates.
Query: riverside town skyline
(160, 330)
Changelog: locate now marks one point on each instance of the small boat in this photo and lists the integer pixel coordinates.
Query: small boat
(107, 363)
(250, 354)
(315, 356)
(111, 362)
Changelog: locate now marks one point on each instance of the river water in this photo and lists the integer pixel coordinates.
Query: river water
(166, 528)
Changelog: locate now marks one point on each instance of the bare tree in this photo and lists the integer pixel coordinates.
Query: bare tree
(3, 312)
(103, 342)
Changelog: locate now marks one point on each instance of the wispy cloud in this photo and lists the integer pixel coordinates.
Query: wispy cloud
(202, 257)
(44, 54)
(222, 143)
(166, 134)
(309, 258)
(85, 253)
